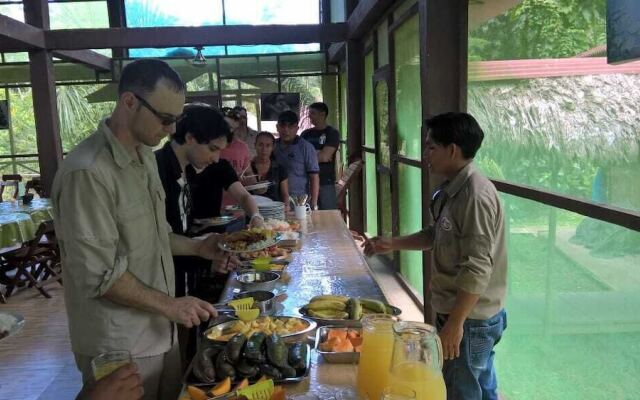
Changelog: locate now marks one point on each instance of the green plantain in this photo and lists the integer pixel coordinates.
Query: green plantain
(327, 305)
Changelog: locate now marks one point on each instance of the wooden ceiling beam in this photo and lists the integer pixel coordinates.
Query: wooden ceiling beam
(18, 35)
(365, 15)
(160, 37)
(89, 58)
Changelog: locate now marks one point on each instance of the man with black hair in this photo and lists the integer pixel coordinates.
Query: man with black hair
(326, 140)
(469, 272)
(299, 158)
(115, 243)
(201, 135)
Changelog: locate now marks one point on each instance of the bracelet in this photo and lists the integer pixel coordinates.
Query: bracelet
(256, 215)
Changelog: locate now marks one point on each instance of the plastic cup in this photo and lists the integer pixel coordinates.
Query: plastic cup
(105, 363)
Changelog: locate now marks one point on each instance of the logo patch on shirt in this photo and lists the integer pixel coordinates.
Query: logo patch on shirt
(445, 224)
(323, 138)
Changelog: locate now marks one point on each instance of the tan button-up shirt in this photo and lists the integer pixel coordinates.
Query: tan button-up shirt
(110, 218)
(469, 248)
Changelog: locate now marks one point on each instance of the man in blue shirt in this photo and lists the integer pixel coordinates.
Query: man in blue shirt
(299, 158)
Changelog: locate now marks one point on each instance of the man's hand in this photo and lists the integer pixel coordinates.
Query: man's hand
(226, 264)
(378, 245)
(190, 311)
(256, 222)
(208, 248)
(451, 336)
(123, 384)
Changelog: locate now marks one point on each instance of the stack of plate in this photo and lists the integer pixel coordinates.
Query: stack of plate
(274, 210)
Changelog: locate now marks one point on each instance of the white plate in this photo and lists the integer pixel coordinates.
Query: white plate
(258, 186)
(215, 221)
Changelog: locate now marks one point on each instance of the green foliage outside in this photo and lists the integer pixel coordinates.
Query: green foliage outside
(541, 29)
(572, 331)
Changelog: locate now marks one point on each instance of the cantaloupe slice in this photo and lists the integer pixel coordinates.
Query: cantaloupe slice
(344, 346)
(339, 334)
(222, 387)
(357, 348)
(353, 334)
(242, 385)
(329, 344)
(278, 393)
(196, 393)
(356, 341)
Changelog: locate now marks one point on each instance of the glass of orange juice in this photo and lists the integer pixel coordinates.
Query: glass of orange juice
(105, 363)
(398, 392)
(375, 356)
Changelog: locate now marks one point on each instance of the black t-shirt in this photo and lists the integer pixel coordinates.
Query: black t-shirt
(276, 174)
(170, 171)
(329, 136)
(207, 187)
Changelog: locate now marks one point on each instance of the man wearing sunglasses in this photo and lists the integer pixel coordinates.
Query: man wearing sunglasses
(469, 271)
(115, 243)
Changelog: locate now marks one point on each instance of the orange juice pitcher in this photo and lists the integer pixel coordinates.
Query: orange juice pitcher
(417, 360)
(375, 356)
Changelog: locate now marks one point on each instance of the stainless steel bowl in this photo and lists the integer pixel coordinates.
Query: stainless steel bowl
(335, 357)
(222, 326)
(262, 299)
(258, 280)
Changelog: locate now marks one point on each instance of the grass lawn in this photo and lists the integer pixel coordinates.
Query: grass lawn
(576, 366)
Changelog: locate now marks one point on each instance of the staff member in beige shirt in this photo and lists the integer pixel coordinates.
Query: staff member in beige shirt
(469, 269)
(115, 243)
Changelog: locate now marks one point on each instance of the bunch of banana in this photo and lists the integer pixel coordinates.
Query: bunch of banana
(328, 307)
(343, 307)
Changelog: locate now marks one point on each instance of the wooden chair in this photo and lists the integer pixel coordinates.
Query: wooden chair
(36, 257)
(34, 184)
(11, 180)
(344, 183)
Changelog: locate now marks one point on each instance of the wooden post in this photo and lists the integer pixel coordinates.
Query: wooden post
(45, 109)
(117, 19)
(443, 75)
(355, 111)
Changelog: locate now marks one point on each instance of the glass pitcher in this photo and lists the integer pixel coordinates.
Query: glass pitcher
(417, 360)
(375, 356)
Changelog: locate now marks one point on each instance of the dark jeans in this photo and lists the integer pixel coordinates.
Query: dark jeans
(327, 199)
(472, 376)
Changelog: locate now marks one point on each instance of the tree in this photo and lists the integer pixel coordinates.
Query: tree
(541, 29)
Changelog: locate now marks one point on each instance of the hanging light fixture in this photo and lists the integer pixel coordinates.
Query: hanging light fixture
(199, 60)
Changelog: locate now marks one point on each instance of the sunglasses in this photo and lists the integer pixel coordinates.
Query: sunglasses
(165, 119)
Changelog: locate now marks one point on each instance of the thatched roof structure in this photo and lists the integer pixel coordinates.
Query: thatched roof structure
(592, 116)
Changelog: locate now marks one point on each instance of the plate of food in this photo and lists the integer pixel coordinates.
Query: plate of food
(10, 324)
(276, 253)
(346, 311)
(290, 328)
(250, 240)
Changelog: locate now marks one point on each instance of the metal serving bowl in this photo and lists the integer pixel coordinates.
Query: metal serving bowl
(258, 280)
(222, 325)
(262, 299)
